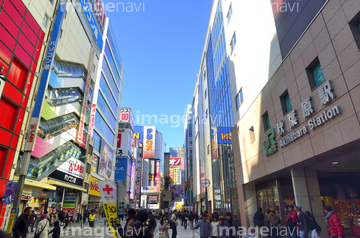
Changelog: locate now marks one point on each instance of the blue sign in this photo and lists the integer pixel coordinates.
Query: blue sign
(49, 58)
(6, 201)
(224, 135)
(92, 22)
(138, 134)
(121, 168)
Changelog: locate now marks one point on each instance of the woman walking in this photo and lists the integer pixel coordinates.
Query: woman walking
(42, 229)
(165, 226)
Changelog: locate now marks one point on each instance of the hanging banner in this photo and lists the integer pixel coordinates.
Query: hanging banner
(108, 193)
(149, 142)
(45, 75)
(11, 220)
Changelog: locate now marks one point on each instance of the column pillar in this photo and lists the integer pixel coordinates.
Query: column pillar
(300, 188)
(250, 203)
(315, 200)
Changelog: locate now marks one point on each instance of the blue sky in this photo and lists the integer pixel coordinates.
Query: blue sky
(161, 47)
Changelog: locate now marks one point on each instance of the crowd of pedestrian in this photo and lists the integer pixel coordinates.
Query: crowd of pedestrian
(298, 223)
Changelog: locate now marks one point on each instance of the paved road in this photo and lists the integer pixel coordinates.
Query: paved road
(100, 230)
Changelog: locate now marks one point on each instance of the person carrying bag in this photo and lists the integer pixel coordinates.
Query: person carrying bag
(42, 230)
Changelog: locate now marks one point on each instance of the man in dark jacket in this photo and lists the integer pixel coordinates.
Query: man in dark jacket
(259, 219)
(232, 225)
(21, 226)
(140, 226)
(56, 231)
(32, 220)
(152, 224)
(302, 222)
(127, 231)
(85, 216)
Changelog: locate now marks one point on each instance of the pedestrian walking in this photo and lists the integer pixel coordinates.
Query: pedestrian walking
(184, 219)
(259, 220)
(140, 225)
(127, 231)
(165, 226)
(152, 224)
(85, 216)
(302, 222)
(91, 219)
(32, 219)
(232, 225)
(214, 225)
(191, 219)
(56, 230)
(215, 214)
(66, 220)
(286, 210)
(196, 218)
(314, 228)
(274, 222)
(220, 228)
(205, 227)
(21, 226)
(291, 222)
(333, 223)
(173, 224)
(42, 229)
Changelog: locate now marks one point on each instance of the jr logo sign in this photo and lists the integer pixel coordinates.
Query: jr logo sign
(270, 143)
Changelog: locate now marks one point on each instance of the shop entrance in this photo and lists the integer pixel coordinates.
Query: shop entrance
(341, 191)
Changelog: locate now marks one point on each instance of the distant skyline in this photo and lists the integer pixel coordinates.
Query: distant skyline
(161, 44)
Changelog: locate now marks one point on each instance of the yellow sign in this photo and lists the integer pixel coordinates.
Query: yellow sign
(111, 216)
(94, 187)
(11, 220)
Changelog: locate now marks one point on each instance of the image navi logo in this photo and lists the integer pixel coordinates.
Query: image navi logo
(270, 143)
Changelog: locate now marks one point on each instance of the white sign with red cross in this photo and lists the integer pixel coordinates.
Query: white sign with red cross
(108, 191)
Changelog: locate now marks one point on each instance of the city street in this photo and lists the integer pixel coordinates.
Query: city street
(99, 227)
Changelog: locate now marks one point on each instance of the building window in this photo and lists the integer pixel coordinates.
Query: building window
(86, 186)
(61, 32)
(315, 74)
(65, 14)
(229, 13)
(205, 94)
(52, 2)
(252, 134)
(239, 99)
(207, 113)
(208, 149)
(46, 20)
(266, 121)
(233, 42)
(285, 102)
(88, 168)
(355, 28)
(93, 68)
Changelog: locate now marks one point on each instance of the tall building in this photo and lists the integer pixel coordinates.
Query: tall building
(152, 168)
(188, 167)
(212, 121)
(295, 107)
(58, 83)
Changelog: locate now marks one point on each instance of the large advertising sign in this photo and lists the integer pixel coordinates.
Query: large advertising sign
(126, 116)
(66, 177)
(73, 167)
(80, 136)
(109, 198)
(152, 172)
(214, 143)
(157, 173)
(124, 143)
(171, 175)
(177, 192)
(45, 75)
(177, 176)
(95, 163)
(150, 189)
(175, 162)
(132, 183)
(149, 142)
(138, 135)
(92, 119)
(106, 160)
(92, 22)
(138, 178)
(224, 135)
(121, 168)
(94, 187)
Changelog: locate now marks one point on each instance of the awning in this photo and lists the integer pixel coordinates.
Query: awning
(65, 185)
(39, 184)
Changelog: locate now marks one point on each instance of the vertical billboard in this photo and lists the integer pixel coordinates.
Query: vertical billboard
(126, 116)
(138, 135)
(124, 143)
(214, 143)
(157, 173)
(121, 168)
(106, 160)
(177, 193)
(132, 183)
(152, 173)
(149, 142)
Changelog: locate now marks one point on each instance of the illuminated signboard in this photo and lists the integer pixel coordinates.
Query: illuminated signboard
(149, 142)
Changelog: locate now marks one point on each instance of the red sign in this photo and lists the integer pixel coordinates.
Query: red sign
(124, 117)
(157, 176)
(25, 197)
(175, 162)
(32, 133)
(92, 119)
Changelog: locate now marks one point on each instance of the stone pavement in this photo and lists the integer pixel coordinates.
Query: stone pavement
(100, 231)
